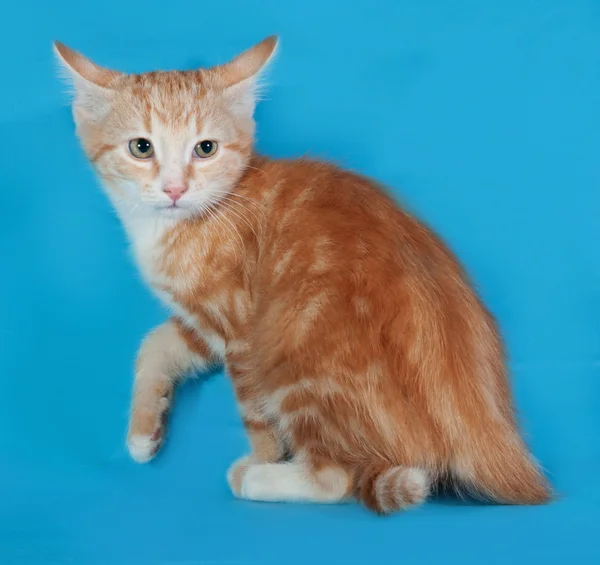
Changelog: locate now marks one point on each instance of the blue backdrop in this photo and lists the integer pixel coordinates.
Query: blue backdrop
(484, 118)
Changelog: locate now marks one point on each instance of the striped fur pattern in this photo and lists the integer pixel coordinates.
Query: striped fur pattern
(364, 364)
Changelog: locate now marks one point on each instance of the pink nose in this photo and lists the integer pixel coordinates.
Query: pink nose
(175, 191)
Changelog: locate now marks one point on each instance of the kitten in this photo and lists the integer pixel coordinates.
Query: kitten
(364, 364)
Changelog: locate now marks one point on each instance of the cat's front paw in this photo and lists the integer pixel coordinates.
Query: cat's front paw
(146, 432)
(143, 448)
(236, 472)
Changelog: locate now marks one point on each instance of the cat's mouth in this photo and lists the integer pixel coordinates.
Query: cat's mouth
(172, 206)
(175, 209)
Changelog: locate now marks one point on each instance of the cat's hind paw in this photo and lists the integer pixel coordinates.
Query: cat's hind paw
(236, 472)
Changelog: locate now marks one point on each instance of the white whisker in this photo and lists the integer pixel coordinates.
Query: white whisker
(264, 216)
(224, 217)
(254, 168)
(211, 213)
(246, 198)
(227, 205)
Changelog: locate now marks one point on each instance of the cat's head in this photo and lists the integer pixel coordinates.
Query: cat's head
(170, 143)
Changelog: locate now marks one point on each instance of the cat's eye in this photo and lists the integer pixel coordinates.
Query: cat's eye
(206, 148)
(141, 148)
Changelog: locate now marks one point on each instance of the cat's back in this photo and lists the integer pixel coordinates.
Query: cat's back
(323, 215)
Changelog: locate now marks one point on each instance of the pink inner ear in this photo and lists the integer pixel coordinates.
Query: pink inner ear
(83, 67)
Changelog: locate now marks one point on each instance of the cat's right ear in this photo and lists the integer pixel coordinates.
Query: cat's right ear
(91, 85)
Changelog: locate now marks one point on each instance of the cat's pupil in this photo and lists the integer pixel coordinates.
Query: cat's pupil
(143, 145)
(206, 146)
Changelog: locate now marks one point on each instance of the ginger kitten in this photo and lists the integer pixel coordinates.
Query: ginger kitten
(363, 362)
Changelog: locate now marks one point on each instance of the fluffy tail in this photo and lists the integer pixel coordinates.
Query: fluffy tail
(493, 463)
(387, 489)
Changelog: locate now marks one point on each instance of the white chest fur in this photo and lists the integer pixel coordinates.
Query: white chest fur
(147, 240)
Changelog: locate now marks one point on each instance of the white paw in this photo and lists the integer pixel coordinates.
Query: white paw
(266, 482)
(142, 448)
(235, 474)
(252, 483)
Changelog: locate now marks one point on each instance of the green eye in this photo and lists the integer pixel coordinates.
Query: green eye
(206, 148)
(141, 148)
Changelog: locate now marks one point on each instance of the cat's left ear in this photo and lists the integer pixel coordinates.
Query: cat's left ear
(92, 85)
(240, 78)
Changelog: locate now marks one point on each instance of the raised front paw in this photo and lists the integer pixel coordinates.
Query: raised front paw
(147, 431)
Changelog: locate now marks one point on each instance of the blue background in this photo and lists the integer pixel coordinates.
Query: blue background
(484, 117)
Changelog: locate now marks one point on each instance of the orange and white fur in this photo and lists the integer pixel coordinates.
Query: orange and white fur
(364, 365)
